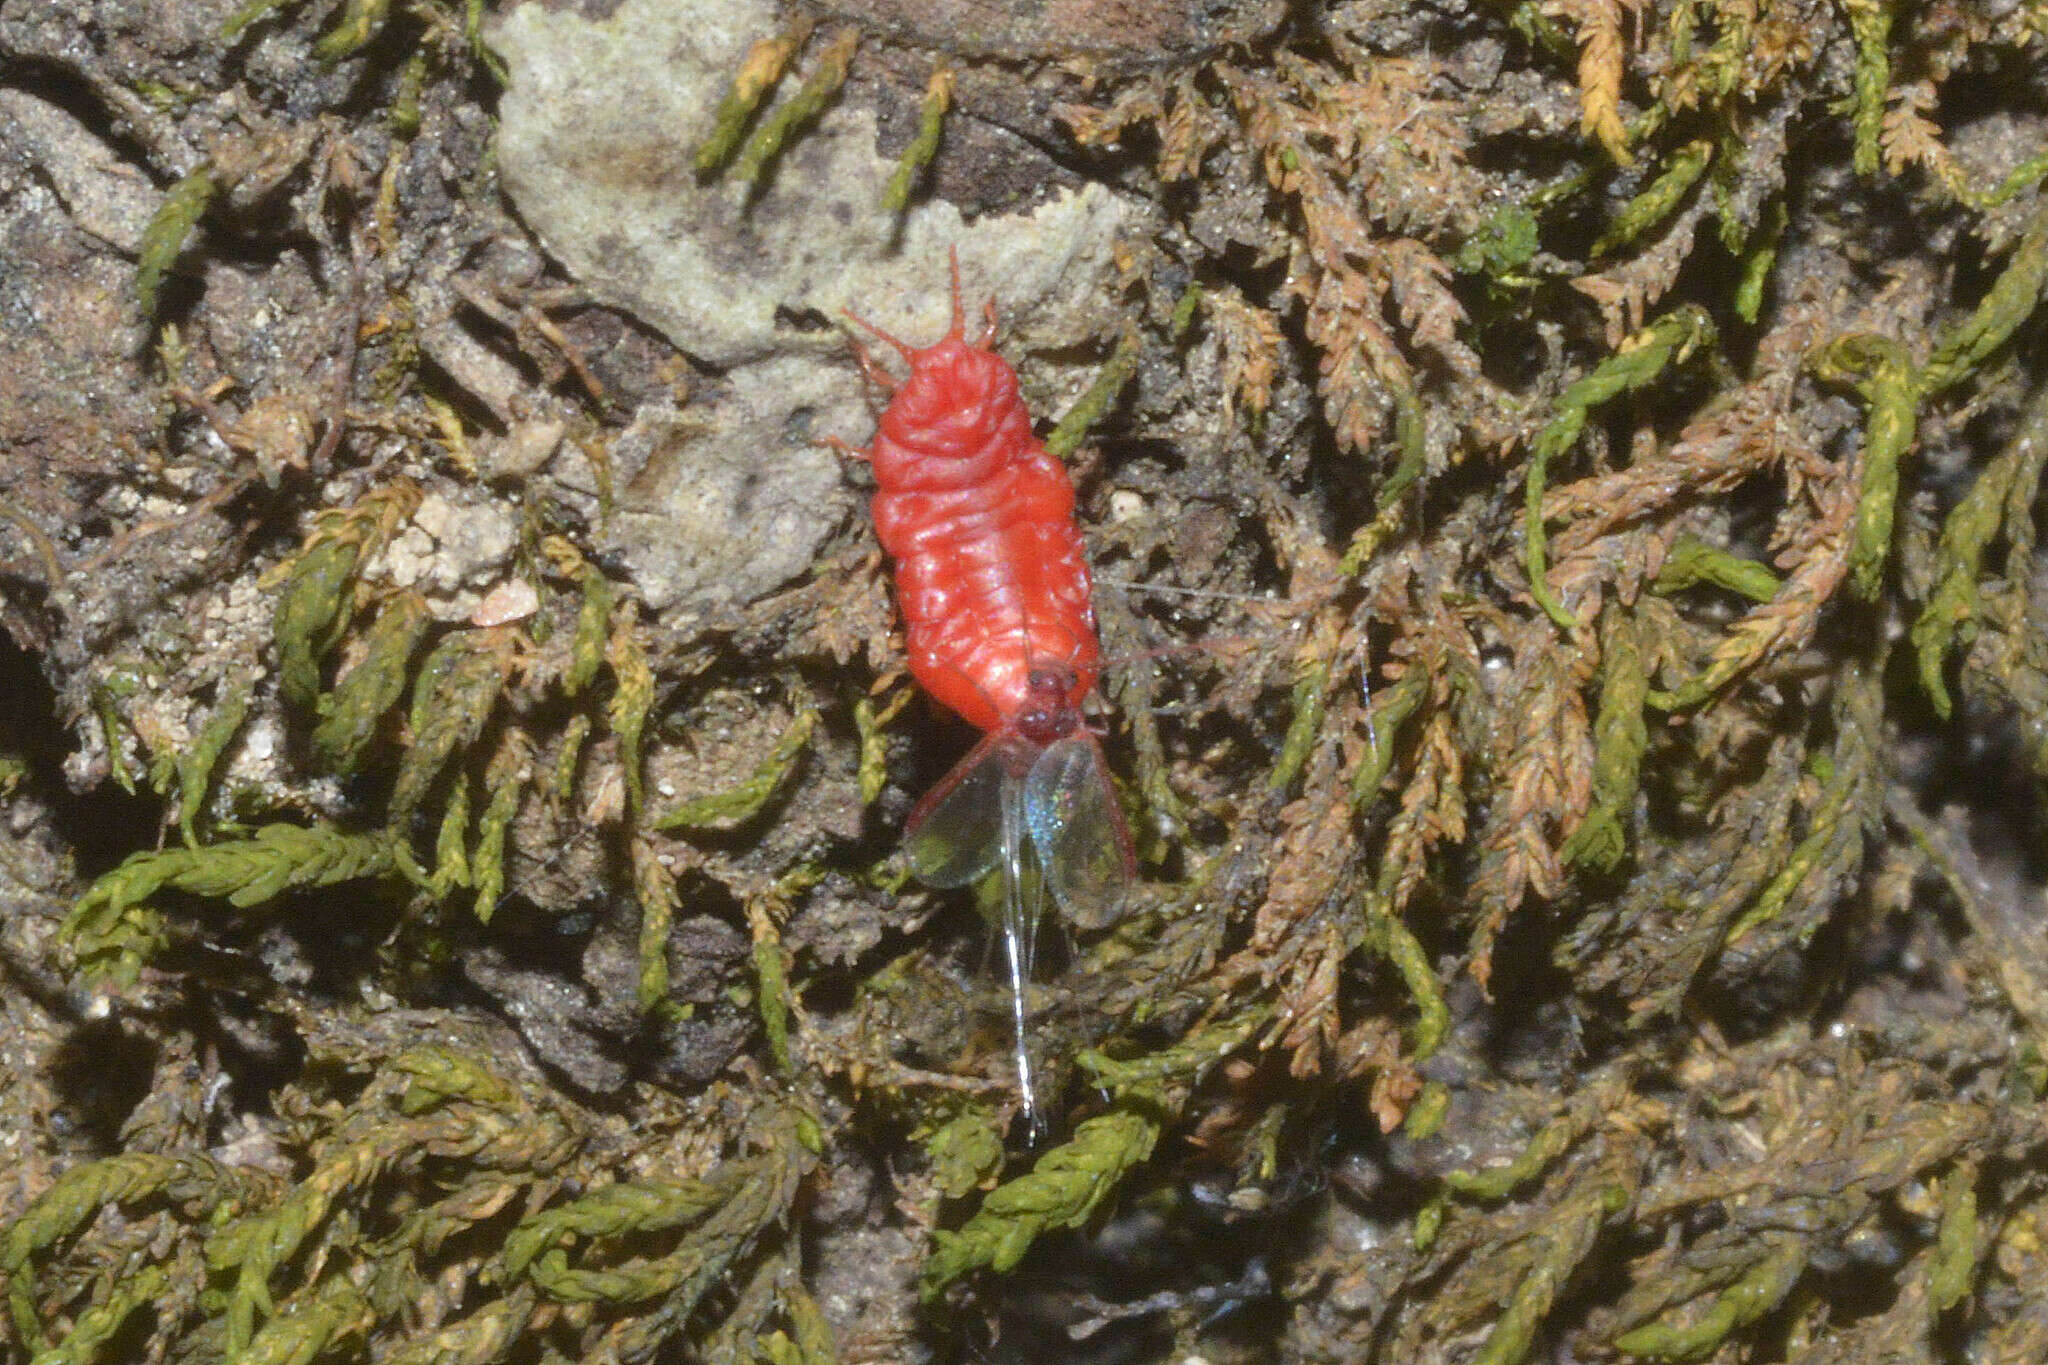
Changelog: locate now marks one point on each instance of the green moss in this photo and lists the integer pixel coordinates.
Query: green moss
(1311, 692)
(1398, 944)
(868, 720)
(1763, 1288)
(752, 83)
(1682, 171)
(113, 932)
(249, 13)
(810, 99)
(931, 120)
(632, 701)
(1504, 244)
(2010, 301)
(452, 698)
(1601, 840)
(1499, 1182)
(1761, 254)
(106, 698)
(168, 231)
(772, 994)
(1068, 433)
(1061, 1190)
(317, 601)
(1692, 561)
(966, 1151)
(593, 627)
(686, 1234)
(1884, 377)
(1998, 497)
(1466, 467)
(506, 781)
(451, 845)
(741, 803)
(1636, 364)
(1870, 21)
(349, 716)
(360, 22)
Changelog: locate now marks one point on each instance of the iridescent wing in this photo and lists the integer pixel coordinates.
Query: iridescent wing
(971, 824)
(1023, 904)
(955, 832)
(1078, 831)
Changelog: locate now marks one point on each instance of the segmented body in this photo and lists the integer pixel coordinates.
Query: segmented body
(993, 584)
(990, 570)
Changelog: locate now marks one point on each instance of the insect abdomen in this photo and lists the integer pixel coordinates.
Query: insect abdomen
(990, 567)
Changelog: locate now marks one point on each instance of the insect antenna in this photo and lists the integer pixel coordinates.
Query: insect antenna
(959, 329)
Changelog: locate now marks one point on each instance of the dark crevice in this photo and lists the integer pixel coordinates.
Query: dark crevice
(57, 84)
(101, 825)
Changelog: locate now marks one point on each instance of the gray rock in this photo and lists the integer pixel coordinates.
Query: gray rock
(599, 126)
(724, 502)
(106, 195)
(728, 500)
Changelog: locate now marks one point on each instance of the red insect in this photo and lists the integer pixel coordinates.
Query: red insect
(993, 582)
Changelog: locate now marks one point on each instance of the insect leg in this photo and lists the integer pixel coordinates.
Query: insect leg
(871, 369)
(846, 448)
(902, 347)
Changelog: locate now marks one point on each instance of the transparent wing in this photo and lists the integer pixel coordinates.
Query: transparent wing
(1078, 831)
(974, 823)
(955, 833)
(1023, 904)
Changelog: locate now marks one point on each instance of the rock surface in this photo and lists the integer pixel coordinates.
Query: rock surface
(601, 121)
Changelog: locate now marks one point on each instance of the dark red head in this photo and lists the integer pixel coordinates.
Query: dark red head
(1050, 710)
